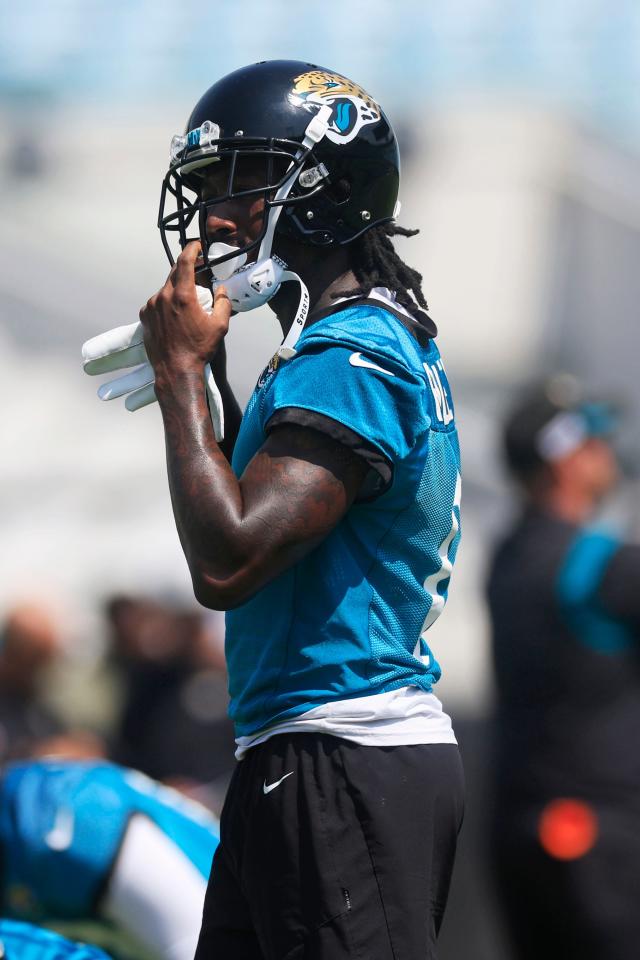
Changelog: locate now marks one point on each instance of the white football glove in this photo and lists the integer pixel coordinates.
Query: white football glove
(124, 347)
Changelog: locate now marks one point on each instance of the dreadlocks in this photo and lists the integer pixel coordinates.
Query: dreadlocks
(375, 263)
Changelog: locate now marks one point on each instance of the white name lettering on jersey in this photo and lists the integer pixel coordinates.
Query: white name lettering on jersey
(443, 410)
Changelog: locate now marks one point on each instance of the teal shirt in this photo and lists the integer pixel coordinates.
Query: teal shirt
(347, 620)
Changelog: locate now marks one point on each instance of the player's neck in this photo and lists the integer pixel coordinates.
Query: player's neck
(326, 279)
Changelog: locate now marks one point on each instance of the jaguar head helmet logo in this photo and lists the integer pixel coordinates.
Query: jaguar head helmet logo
(352, 107)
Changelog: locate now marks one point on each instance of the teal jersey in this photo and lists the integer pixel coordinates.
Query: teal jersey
(349, 620)
(22, 941)
(62, 824)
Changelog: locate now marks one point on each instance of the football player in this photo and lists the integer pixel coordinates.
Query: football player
(84, 840)
(565, 605)
(331, 534)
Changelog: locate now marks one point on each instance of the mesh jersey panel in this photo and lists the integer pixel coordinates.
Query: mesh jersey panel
(428, 525)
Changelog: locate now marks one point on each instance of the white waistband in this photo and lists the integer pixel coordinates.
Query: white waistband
(405, 716)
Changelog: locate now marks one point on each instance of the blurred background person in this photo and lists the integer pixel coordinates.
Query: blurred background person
(89, 840)
(564, 598)
(31, 646)
(173, 723)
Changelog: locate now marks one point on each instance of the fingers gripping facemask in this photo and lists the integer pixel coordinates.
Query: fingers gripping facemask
(251, 285)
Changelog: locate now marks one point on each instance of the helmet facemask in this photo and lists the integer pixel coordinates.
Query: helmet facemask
(330, 159)
(291, 177)
(248, 284)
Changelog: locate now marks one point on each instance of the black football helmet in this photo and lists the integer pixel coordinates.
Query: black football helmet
(330, 156)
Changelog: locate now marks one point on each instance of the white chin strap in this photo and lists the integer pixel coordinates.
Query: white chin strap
(251, 285)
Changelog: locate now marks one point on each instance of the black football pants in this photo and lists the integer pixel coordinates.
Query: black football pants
(333, 850)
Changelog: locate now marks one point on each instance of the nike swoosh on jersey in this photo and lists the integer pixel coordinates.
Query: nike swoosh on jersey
(60, 837)
(357, 360)
(267, 789)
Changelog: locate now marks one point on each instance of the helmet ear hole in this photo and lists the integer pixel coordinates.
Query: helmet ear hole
(340, 191)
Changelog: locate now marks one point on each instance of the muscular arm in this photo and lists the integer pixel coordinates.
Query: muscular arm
(239, 534)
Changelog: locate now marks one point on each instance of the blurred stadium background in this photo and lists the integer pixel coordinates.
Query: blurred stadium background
(520, 130)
